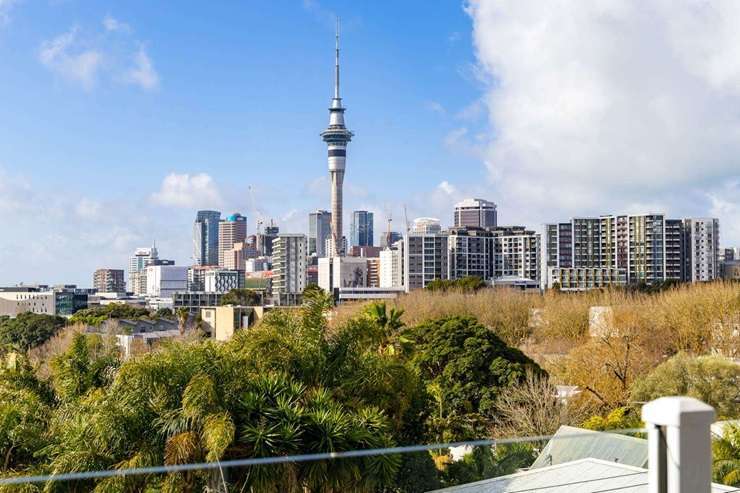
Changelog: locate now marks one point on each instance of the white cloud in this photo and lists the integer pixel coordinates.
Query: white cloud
(87, 59)
(88, 209)
(435, 107)
(143, 73)
(62, 56)
(184, 190)
(598, 107)
(112, 24)
(5, 6)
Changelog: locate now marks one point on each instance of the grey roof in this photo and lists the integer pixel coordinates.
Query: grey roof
(581, 476)
(569, 444)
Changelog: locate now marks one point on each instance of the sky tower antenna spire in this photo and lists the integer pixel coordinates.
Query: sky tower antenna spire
(336, 63)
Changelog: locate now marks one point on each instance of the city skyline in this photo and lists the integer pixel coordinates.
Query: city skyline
(450, 136)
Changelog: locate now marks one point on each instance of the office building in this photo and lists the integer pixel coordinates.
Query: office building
(702, 236)
(137, 268)
(336, 137)
(109, 281)
(425, 259)
(289, 264)
(231, 230)
(426, 226)
(264, 241)
(223, 280)
(205, 237)
(163, 281)
(235, 258)
(319, 231)
(475, 213)
(388, 239)
(730, 270)
(361, 229)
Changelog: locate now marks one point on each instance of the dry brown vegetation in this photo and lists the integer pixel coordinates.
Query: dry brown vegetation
(643, 329)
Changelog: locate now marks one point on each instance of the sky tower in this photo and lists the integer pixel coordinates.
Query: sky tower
(336, 137)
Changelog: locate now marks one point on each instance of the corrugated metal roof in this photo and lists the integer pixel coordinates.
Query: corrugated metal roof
(570, 444)
(581, 476)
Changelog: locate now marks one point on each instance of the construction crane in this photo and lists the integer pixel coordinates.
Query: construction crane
(406, 218)
(260, 214)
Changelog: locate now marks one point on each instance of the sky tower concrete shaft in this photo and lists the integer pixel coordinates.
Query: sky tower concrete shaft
(336, 137)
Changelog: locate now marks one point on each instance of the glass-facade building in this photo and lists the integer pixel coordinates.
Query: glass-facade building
(361, 230)
(205, 238)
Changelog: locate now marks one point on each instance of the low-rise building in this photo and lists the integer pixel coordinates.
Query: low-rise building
(223, 321)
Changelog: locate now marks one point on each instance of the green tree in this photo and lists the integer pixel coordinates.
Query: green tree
(88, 363)
(183, 315)
(243, 297)
(96, 315)
(726, 456)
(465, 365)
(468, 284)
(621, 418)
(712, 379)
(29, 330)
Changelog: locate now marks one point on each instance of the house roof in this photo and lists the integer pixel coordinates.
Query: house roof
(569, 444)
(581, 476)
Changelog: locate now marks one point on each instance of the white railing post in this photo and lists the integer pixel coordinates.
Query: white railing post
(680, 452)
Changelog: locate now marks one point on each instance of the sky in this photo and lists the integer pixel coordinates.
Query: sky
(119, 120)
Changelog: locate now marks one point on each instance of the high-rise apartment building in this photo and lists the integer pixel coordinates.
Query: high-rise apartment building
(640, 248)
(319, 230)
(425, 259)
(361, 229)
(702, 238)
(476, 213)
(109, 281)
(470, 253)
(289, 264)
(235, 258)
(205, 238)
(231, 230)
(517, 256)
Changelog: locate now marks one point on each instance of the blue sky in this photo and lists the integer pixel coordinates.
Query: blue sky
(119, 120)
(240, 93)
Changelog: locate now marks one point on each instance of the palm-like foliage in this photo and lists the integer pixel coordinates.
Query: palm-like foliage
(726, 457)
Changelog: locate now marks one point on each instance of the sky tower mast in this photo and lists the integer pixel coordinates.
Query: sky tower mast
(336, 137)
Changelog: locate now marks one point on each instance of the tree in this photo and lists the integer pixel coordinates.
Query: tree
(533, 408)
(29, 330)
(726, 456)
(621, 418)
(96, 315)
(87, 364)
(183, 315)
(468, 284)
(163, 313)
(712, 379)
(465, 366)
(242, 297)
